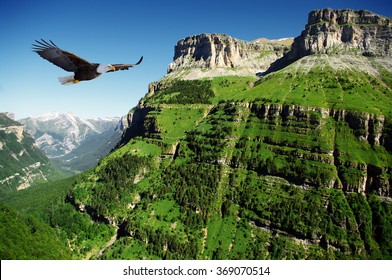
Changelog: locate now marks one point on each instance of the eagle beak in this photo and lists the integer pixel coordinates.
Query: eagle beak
(112, 68)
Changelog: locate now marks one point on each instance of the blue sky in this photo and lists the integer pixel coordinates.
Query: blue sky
(120, 31)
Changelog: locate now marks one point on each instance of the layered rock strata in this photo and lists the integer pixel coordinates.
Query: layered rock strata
(328, 31)
(223, 55)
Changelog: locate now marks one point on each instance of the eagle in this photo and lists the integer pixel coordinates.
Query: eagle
(83, 70)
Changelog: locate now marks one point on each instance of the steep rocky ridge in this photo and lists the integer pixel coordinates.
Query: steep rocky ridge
(208, 55)
(347, 31)
(335, 40)
(361, 32)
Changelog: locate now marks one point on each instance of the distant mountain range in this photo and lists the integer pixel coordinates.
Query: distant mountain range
(73, 143)
(244, 150)
(22, 164)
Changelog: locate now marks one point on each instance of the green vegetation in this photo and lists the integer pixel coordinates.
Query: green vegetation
(26, 237)
(21, 162)
(264, 53)
(186, 92)
(295, 165)
(173, 123)
(41, 200)
(322, 87)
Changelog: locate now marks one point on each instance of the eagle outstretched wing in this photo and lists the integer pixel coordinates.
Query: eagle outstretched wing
(63, 59)
(125, 66)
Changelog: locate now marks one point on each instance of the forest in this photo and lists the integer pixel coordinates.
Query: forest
(233, 179)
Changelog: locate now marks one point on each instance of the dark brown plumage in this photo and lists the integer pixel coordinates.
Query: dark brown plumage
(83, 70)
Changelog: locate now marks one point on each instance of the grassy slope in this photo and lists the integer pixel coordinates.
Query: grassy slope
(321, 86)
(216, 181)
(180, 212)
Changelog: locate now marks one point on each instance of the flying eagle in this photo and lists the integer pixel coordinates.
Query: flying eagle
(83, 70)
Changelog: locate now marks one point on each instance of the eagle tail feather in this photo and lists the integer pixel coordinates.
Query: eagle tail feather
(68, 80)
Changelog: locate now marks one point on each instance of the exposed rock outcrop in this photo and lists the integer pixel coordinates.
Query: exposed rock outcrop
(123, 123)
(17, 130)
(22, 164)
(136, 124)
(355, 34)
(369, 128)
(360, 32)
(341, 31)
(223, 55)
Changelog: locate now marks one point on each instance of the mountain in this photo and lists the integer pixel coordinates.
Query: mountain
(246, 152)
(209, 55)
(294, 164)
(22, 163)
(349, 32)
(73, 143)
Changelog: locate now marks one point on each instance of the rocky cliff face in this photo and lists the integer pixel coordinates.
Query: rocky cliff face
(360, 32)
(353, 35)
(222, 54)
(361, 128)
(367, 128)
(299, 159)
(134, 124)
(351, 32)
(328, 31)
(22, 164)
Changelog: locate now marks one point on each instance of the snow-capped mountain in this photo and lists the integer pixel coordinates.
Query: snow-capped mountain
(60, 135)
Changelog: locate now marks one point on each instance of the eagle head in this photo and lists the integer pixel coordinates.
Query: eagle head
(103, 68)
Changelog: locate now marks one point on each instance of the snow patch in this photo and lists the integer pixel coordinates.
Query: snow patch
(58, 134)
